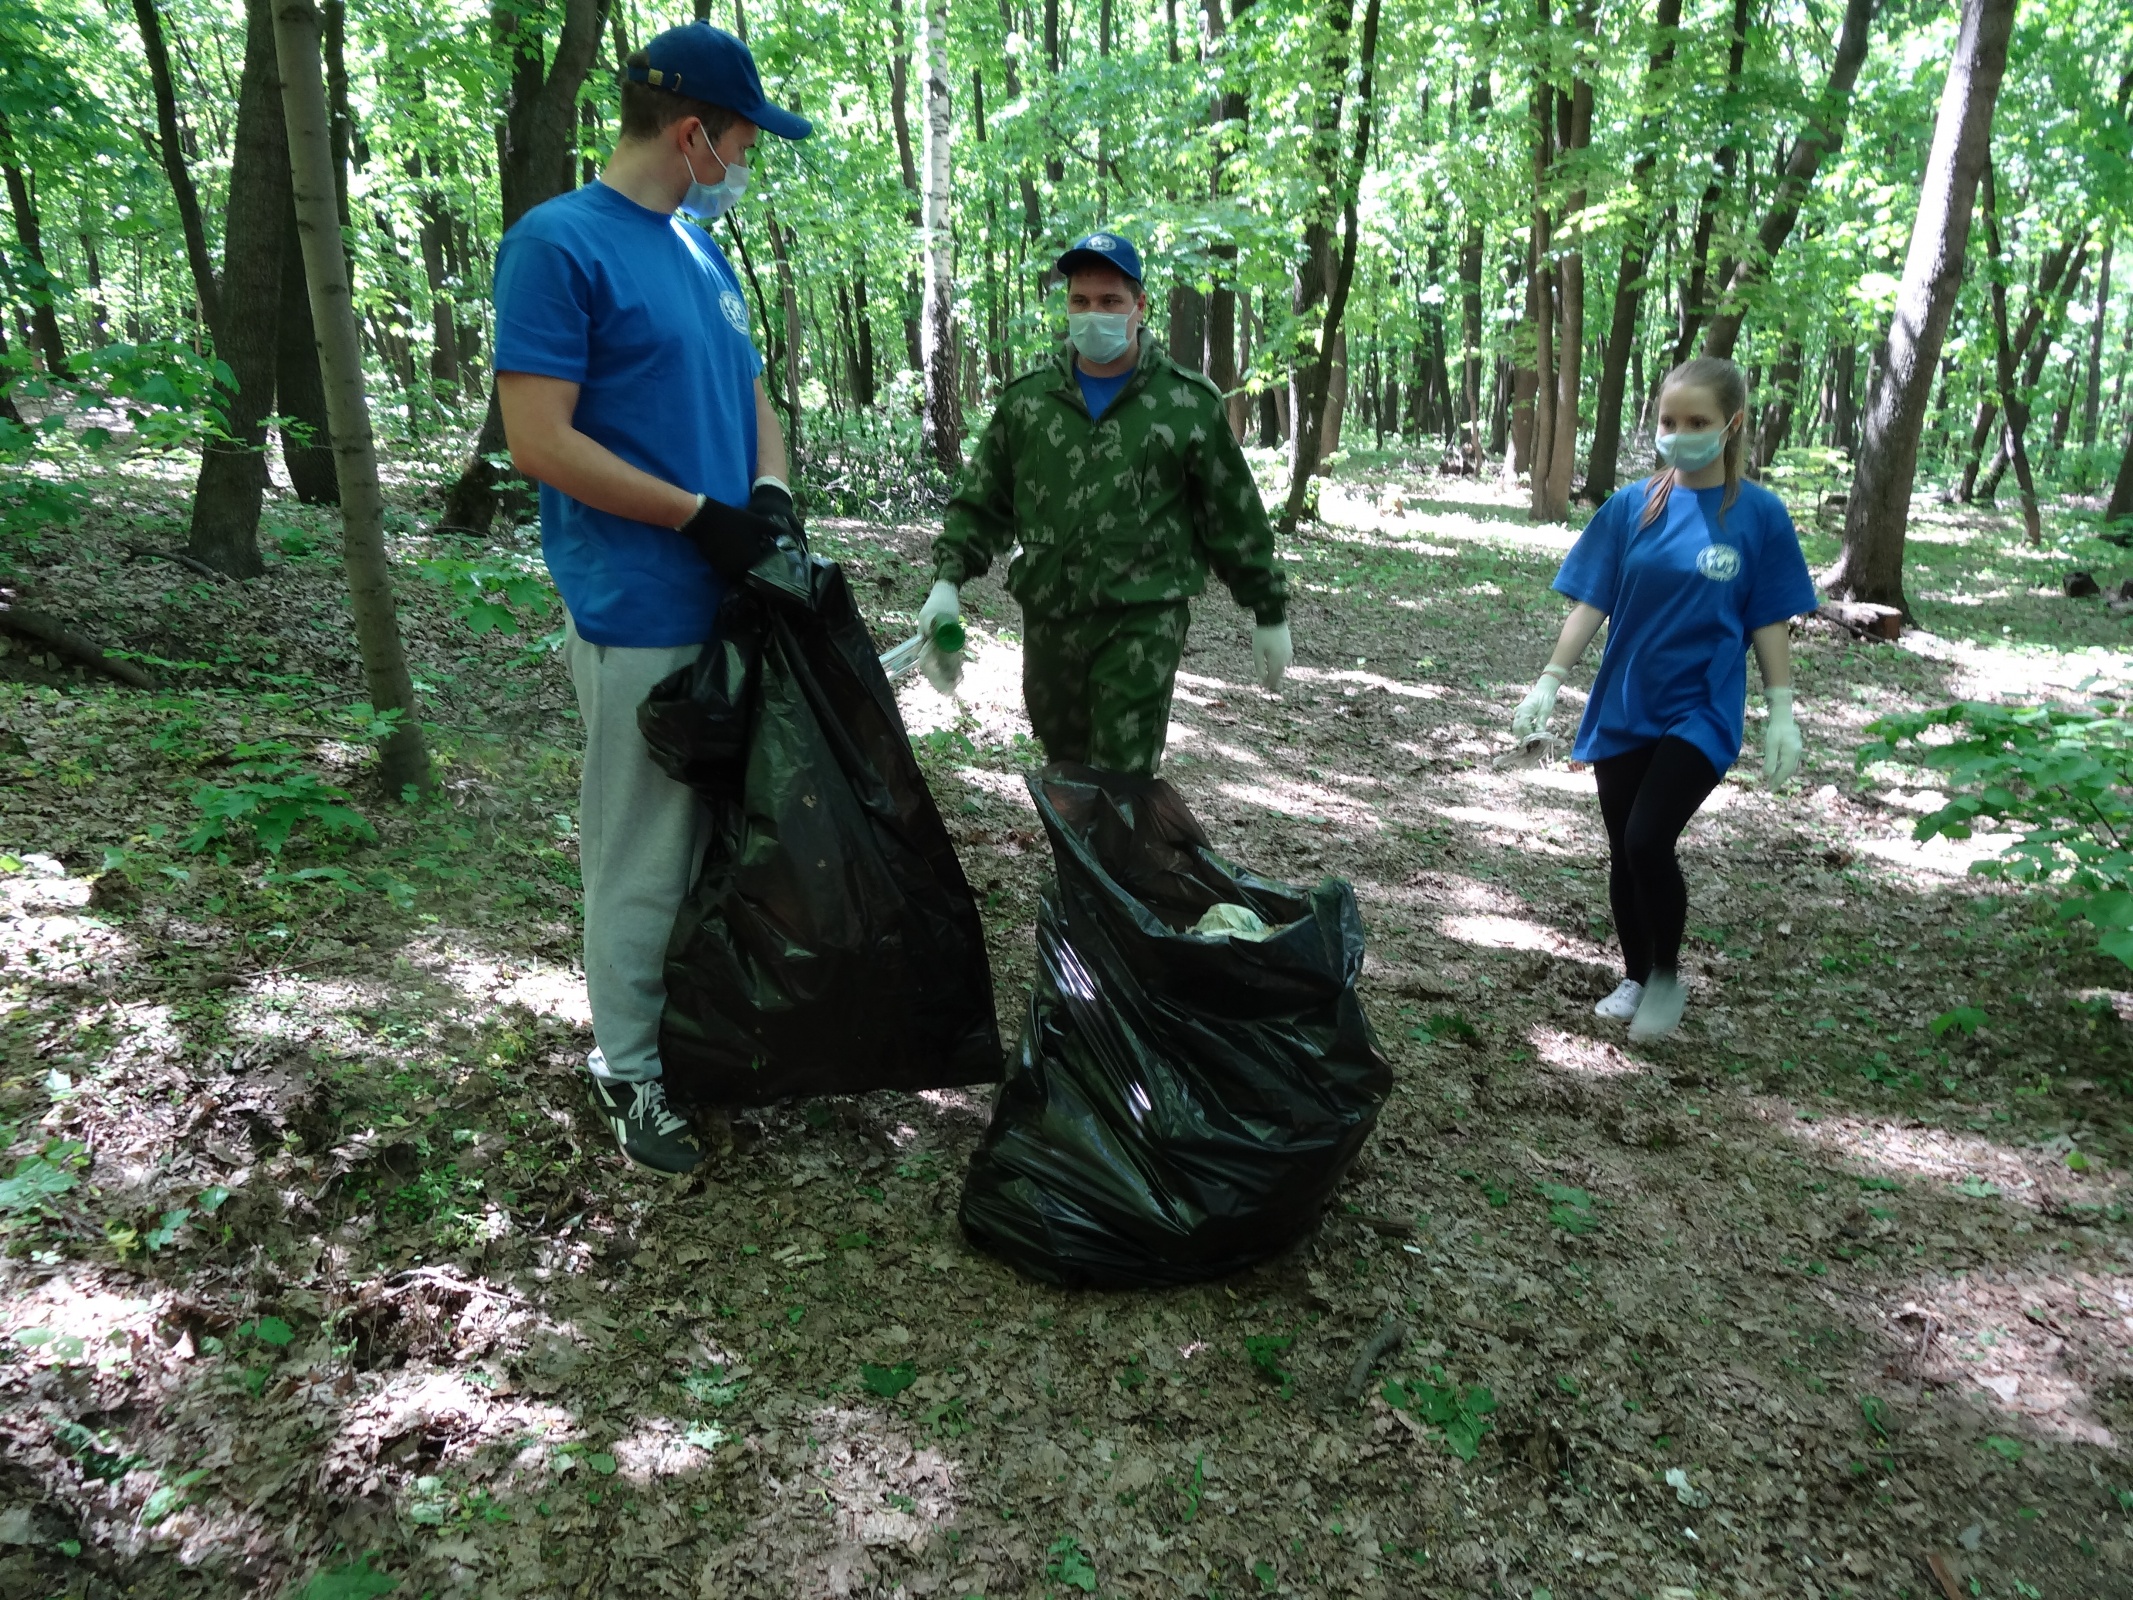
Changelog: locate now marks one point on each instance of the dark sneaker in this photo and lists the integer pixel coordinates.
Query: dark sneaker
(646, 1127)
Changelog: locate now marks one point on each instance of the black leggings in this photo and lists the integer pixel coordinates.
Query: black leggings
(1647, 796)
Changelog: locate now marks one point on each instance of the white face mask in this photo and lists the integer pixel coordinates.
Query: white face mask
(707, 202)
(1101, 336)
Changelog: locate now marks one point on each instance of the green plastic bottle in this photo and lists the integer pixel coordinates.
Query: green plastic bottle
(949, 637)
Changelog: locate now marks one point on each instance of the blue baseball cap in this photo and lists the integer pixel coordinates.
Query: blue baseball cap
(709, 64)
(1101, 250)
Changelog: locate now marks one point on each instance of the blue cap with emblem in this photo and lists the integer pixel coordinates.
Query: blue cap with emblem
(709, 64)
(1101, 250)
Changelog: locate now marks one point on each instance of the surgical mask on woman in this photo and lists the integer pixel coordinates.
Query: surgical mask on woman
(1690, 452)
(1101, 336)
(707, 202)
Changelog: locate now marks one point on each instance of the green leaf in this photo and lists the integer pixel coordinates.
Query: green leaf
(1965, 1020)
(602, 1463)
(36, 1181)
(360, 1581)
(1069, 1564)
(274, 1331)
(2000, 1445)
(888, 1382)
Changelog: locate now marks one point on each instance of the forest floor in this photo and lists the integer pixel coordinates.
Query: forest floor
(322, 1279)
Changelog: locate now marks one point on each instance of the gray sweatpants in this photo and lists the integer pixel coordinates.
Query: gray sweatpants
(641, 837)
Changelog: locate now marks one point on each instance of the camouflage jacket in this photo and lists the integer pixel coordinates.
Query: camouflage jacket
(1128, 510)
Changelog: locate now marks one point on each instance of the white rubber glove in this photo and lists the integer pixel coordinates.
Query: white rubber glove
(1272, 653)
(1539, 704)
(942, 605)
(1781, 740)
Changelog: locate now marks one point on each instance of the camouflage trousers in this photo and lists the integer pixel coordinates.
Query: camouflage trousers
(1098, 685)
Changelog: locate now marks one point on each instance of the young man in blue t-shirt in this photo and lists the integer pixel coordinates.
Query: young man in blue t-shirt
(631, 392)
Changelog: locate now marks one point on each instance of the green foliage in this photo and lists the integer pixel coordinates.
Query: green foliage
(712, 1387)
(1568, 1209)
(359, 1580)
(888, 1382)
(1066, 1562)
(274, 796)
(1265, 1351)
(1461, 1416)
(493, 592)
(2060, 777)
(40, 1179)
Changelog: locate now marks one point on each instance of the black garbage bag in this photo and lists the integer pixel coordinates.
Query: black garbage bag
(831, 944)
(1183, 1104)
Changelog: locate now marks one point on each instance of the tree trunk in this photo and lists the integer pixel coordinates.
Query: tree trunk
(1188, 326)
(1823, 136)
(789, 302)
(44, 317)
(1309, 400)
(2121, 502)
(1570, 291)
(1877, 513)
(1336, 400)
(1694, 306)
(171, 149)
(1602, 464)
(2014, 408)
(1844, 397)
(2033, 347)
(1776, 420)
(540, 125)
(299, 393)
(2092, 400)
(233, 476)
(404, 760)
(2052, 270)
(944, 409)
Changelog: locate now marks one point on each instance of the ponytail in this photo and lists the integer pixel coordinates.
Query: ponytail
(1730, 389)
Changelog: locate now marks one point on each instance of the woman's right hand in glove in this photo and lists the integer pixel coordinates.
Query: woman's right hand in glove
(1539, 704)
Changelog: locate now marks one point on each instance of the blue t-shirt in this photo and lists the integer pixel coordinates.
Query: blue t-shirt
(643, 313)
(1681, 598)
(1098, 393)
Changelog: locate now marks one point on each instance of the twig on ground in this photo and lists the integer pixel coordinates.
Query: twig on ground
(1943, 1574)
(1390, 1335)
(39, 629)
(137, 552)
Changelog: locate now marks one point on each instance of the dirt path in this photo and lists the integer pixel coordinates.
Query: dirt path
(1769, 1310)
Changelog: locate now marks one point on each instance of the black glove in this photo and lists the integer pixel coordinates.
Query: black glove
(733, 540)
(774, 504)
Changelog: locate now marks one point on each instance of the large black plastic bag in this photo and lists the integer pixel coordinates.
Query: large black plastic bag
(831, 944)
(1183, 1105)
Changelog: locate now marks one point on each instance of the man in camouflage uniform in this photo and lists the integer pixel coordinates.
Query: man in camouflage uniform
(1115, 471)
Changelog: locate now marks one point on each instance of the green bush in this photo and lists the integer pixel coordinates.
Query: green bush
(2061, 777)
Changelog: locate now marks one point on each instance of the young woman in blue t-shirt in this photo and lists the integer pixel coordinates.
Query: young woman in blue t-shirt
(1688, 569)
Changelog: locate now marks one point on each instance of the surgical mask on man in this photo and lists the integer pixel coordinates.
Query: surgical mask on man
(1101, 337)
(1690, 452)
(707, 202)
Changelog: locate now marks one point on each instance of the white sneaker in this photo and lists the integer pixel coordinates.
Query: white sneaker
(1622, 1004)
(1659, 1012)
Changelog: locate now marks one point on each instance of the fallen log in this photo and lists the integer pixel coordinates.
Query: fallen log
(38, 629)
(1862, 618)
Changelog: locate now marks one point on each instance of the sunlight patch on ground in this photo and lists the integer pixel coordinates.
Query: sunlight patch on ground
(1369, 680)
(492, 980)
(2021, 672)
(990, 694)
(1938, 858)
(975, 1104)
(1007, 786)
(81, 1318)
(1921, 1153)
(1578, 1053)
(2005, 1339)
(1440, 514)
(1312, 801)
(47, 930)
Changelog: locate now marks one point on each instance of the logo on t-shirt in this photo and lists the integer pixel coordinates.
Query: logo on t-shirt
(1718, 562)
(736, 310)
